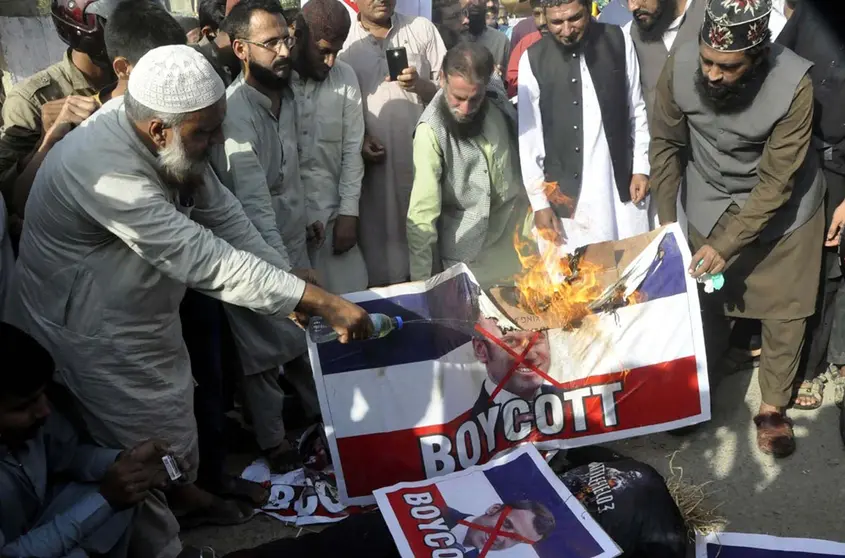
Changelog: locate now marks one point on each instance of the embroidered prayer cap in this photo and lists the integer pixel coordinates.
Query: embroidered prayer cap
(736, 25)
(175, 79)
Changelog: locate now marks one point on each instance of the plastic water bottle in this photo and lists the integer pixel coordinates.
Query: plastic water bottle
(321, 332)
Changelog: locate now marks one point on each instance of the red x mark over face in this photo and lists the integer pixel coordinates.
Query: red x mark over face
(495, 532)
(519, 360)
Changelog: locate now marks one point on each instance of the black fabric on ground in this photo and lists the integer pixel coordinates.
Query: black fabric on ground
(576, 457)
(631, 502)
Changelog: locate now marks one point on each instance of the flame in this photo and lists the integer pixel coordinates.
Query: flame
(560, 289)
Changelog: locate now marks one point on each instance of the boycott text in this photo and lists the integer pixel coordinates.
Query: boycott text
(442, 454)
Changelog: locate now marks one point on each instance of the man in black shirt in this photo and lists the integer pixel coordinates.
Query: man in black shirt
(810, 35)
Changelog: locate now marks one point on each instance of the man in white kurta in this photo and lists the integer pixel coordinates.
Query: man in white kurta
(259, 163)
(331, 131)
(124, 214)
(606, 200)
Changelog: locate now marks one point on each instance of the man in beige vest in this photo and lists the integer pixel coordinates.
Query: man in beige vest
(467, 198)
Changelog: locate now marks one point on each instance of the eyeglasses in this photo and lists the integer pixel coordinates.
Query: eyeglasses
(274, 44)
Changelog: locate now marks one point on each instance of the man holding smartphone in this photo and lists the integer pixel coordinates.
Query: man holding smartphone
(391, 110)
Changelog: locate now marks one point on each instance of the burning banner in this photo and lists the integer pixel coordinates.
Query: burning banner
(605, 345)
(741, 545)
(513, 507)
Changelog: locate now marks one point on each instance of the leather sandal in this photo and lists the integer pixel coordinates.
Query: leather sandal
(774, 434)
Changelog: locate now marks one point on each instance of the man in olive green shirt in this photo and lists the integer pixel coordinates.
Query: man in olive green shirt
(41, 110)
(467, 199)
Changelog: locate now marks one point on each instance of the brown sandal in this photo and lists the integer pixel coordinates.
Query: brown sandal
(774, 434)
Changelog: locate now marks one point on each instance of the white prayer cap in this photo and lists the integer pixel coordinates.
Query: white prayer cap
(175, 79)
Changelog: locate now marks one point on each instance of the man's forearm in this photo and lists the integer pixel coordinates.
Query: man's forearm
(315, 301)
(669, 138)
(665, 179)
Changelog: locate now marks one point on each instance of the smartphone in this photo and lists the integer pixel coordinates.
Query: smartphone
(397, 60)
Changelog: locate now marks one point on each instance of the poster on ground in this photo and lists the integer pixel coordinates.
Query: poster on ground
(606, 347)
(512, 507)
(742, 545)
(301, 497)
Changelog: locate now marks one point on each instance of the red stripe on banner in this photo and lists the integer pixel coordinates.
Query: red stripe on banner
(352, 5)
(420, 512)
(648, 396)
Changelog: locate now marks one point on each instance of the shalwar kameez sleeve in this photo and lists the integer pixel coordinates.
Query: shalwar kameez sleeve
(137, 211)
(238, 164)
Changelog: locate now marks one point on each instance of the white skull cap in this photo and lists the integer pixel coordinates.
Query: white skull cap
(175, 79)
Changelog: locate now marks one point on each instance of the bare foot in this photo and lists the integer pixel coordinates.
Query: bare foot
(187, 498)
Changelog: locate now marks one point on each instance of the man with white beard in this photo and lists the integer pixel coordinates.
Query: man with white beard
(124, 214)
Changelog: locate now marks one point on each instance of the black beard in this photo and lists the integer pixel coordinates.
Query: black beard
(267, 78)
(736, 97)
(477, 21)
(663, 18)
(463, 130)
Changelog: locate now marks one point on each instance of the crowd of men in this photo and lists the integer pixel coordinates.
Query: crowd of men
(174, 212)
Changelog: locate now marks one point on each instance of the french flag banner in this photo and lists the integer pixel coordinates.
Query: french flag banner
(611, 350)
(741, 545)
(512, 507)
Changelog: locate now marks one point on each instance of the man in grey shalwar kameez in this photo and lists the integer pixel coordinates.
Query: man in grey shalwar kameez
(259, 163)
(124, 214)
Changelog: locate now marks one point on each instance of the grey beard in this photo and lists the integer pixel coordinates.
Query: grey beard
(178, 169)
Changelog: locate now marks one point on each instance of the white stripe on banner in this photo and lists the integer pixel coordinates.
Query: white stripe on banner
(731, 544)
(400, 397)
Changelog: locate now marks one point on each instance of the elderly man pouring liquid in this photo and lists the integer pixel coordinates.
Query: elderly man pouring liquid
(124, 214)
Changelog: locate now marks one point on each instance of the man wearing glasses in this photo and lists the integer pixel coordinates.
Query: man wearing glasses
(259, 162)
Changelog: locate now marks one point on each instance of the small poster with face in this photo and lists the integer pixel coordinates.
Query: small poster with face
(743, 545)
(512, 507)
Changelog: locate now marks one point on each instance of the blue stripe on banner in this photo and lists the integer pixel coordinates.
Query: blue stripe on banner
(716, 550)
(453, 302)
(522, 480)
(667, 276)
